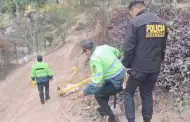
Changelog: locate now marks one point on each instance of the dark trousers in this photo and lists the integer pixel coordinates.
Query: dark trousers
(146, 83)
(41, 87)
(103, 99)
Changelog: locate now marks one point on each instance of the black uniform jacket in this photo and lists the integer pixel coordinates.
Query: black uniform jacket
(145, 42)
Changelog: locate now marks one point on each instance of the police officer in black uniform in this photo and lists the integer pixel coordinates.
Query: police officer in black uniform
(144, 50)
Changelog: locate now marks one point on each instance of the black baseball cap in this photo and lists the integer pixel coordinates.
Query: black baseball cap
(86, 44)
(39, 58)
(134, 2)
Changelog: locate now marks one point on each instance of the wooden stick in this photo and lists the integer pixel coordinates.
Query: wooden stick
(124, 85)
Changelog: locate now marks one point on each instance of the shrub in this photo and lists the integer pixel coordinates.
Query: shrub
(175, 74)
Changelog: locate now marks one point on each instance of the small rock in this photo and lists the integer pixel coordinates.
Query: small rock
(87, 108)
(80, 26)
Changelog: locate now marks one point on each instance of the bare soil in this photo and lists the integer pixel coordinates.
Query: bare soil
(19, 100)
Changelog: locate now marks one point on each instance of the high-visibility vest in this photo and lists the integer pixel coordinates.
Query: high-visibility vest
(105, 64)
(41, 69)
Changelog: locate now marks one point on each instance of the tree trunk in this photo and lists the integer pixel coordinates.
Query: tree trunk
(16, 4)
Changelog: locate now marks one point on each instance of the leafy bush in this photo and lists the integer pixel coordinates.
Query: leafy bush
(61, 19)
(175, 74)
(117, 26)
(10, 6)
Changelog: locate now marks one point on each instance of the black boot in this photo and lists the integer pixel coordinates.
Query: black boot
(131, 120)
(100, 112)
(146, 120)
(47, 98)
(42, 101)
(113, 119)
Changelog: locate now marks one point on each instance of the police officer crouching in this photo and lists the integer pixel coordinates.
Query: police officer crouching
(144, 51)
(107, 76)
(42, 74)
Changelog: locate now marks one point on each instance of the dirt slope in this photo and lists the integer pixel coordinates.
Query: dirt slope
(19, 101)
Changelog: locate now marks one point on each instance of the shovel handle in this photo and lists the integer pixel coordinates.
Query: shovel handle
(76, 86)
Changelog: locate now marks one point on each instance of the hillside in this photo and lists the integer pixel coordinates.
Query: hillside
(19, 100)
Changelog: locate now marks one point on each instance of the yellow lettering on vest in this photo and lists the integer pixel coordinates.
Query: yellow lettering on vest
(155, 31)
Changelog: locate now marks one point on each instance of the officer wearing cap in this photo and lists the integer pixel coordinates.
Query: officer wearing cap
(107, 76)
(144, 50)
(42, 74)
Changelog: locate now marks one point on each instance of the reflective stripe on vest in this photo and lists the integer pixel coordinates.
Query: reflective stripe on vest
(111, 66)
(99, 74)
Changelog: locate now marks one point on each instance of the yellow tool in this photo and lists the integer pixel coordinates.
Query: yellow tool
(34, 83)
(75, 70)
(73, 87)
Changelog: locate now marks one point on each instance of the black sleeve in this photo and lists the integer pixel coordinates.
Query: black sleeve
(129, 45)
(164, 45)
(32, 78)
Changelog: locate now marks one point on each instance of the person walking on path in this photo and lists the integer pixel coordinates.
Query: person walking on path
(41, 73)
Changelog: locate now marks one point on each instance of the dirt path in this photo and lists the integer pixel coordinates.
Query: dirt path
(19, 101)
